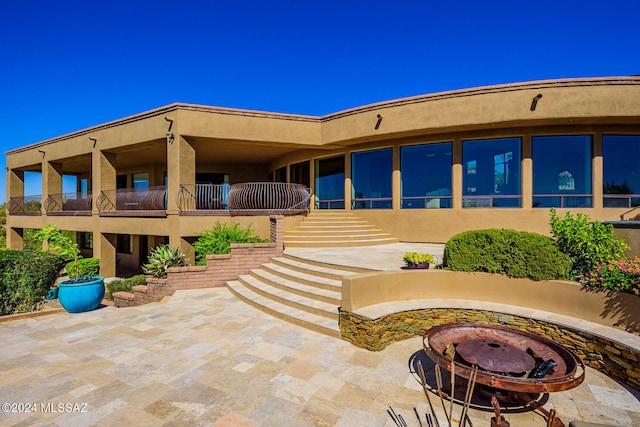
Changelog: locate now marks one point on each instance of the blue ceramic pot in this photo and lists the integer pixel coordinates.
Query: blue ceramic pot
(77, 296)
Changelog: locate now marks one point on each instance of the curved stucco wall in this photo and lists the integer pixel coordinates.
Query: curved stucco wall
(612, 309)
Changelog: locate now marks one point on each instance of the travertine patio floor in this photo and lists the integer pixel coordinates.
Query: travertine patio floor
(206, 358)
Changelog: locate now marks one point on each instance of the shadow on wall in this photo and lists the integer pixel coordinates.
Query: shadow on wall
(618, 306)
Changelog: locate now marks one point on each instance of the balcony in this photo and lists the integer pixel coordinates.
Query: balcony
(27, 205)
(251, 198)
(73, 204)
(143, 202)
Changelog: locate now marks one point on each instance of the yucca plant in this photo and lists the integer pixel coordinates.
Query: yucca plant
(162, 258)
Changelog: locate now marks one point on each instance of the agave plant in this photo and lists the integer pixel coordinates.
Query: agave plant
(162, 258)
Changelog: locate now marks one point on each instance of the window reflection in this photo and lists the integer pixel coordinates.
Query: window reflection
(329, 182)
(621, 170)
(562, 171)
(371, 179)
(426, 176)
(491, 173)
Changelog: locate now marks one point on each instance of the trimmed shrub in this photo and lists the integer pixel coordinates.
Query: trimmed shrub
(218, 240)
(162, 258)
(125, 285)
(509, 252)
(25, 278)
(86, 267)
(588, 244)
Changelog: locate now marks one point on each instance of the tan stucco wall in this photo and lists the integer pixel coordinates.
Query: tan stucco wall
(566, 298)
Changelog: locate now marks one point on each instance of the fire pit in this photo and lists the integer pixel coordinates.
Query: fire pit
(507, 358)
(510, 363)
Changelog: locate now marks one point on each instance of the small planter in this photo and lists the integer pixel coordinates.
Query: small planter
(80, 295)
(416, 266)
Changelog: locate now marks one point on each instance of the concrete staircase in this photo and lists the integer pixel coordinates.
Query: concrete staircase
(303, 292)
(335, 229)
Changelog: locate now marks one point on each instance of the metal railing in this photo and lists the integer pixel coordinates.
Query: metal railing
(426, 202)
(329, 204)
(27, 205)
(203, 197)
(621, 200)
(371, 203)
(563, 200)
(68, 204)
(492, 201)
(268, 198)
(147, 201)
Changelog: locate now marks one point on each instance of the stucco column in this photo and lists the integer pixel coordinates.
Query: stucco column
(312, 184)
(456, 175)
(181, 168)
(526, 173)
(15, 188)
(104, 175)
(51, 181)
(104, 248)
(396, 179)
(348, 186)
(597, 172)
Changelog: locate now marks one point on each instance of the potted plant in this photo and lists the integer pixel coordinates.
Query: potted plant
(78, 294)
(416, 260)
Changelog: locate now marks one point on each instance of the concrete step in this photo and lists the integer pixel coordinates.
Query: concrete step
(331, 237)
(317, 268)
(328, 279)
(320, 308)
(327, 221)
(339, 243)
(293, 286)
(290, 314)
(333, 230)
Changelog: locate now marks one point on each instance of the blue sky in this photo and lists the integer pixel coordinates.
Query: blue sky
(66, 65)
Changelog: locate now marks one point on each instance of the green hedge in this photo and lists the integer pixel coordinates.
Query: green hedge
(509, 252)
(86, 267)
(125, 285)
(25, 278)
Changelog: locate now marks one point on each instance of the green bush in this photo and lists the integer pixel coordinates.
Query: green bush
(162, 258)
(587, 244)
(510, 252)
(218, 239)
(125, 285)
(25, 278)
(85, 267)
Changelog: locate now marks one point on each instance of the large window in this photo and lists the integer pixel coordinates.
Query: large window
(329, 177)
(621, 174)
(562, 171)
(491, 173)
(140, 180)
(426, 176)
(371, 179)
(299, 173)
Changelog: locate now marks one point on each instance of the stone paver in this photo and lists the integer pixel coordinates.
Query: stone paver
(206, 358)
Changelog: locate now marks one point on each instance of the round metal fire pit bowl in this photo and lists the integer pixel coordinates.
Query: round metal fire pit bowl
(505, 351)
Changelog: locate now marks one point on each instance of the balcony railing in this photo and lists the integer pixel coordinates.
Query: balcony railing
(251, 198)
(27, 205)
(68, 204)
(147, 201)
(203, 199)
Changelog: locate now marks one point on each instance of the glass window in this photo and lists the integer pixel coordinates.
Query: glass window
(121, 181)
(371, 179)
(426, 175)
(621, 170)
(491, 173)
(329, 177)
(86, 239)
(123, 244)
(140, 180)
(281, 174)
(299, 173)
(562, 171)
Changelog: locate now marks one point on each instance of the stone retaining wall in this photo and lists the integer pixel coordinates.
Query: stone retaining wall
(613, 358)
